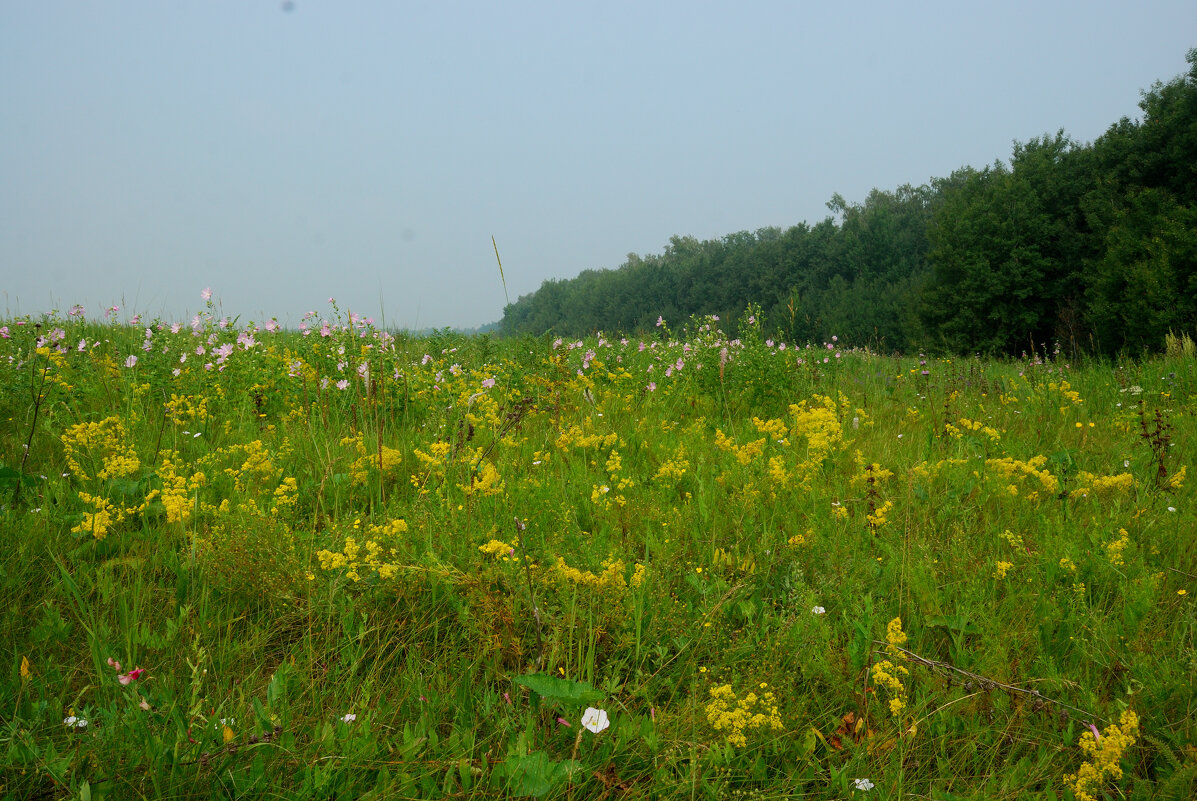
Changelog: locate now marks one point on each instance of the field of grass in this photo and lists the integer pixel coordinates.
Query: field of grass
(334, 562)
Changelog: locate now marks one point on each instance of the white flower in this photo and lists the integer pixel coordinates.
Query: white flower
(1171, 508)
(75, 723)
(595, 719)
(349, 717)
(818, 610)
(863, 784)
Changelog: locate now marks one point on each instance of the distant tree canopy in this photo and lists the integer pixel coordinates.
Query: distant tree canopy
(1093, 246)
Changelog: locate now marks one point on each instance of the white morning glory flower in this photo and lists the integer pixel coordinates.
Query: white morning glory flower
(595, 719)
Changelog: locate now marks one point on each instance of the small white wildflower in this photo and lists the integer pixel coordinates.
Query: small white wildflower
(349, 718)
(595, 719)
(74, 722)
(1171, 508)
(863, 785)
(818, 610)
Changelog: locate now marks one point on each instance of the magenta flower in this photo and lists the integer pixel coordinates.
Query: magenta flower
(131, 676)
(488, 383)
(131, 361)
(206, 295)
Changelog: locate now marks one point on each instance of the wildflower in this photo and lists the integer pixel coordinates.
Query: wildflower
(132, 360)
(25, 671)
(130, 677)
(864, 785)
(1182, 593)
(349, 718)
(595, 719)
(563, 722)
(818, 610)
(488, 383)
(144, 704)
(206, 295)
(73, 722)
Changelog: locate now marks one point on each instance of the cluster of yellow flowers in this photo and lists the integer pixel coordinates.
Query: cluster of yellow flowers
(1065, 390)
(1102, 486)
(673, 468)
(387, 460)
(486, 481)
(177, 489)
(735, 717)
(888, 674)
(1116, 546)
(100, 447)
(1009, 468)
(574, 436)
(877, 518)
(612, 576)
(497, 549)
(1104, 755)
(371, 556)
(744, 453)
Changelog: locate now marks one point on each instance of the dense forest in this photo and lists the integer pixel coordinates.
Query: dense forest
(1092, 246)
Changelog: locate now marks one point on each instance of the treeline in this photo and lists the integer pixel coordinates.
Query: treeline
(1093, 246)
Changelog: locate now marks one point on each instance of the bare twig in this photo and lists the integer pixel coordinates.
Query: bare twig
(38, 397)
(984, 682)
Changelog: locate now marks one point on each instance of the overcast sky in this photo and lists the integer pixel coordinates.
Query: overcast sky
(282, 153)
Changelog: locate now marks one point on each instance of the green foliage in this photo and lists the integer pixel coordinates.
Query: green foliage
(1089, 246)
(304, 575)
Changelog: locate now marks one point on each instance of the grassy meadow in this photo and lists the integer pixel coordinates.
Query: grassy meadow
(336, 562)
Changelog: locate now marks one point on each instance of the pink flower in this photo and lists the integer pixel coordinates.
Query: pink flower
(206, 295)
(131, 676)
(131, 361)
(488, 383)
(112, 663)
(342, 384)
(564, 722)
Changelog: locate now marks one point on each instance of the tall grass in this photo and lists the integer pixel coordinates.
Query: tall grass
(355, 564)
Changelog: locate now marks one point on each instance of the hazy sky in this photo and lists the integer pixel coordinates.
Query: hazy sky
(285, 153)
